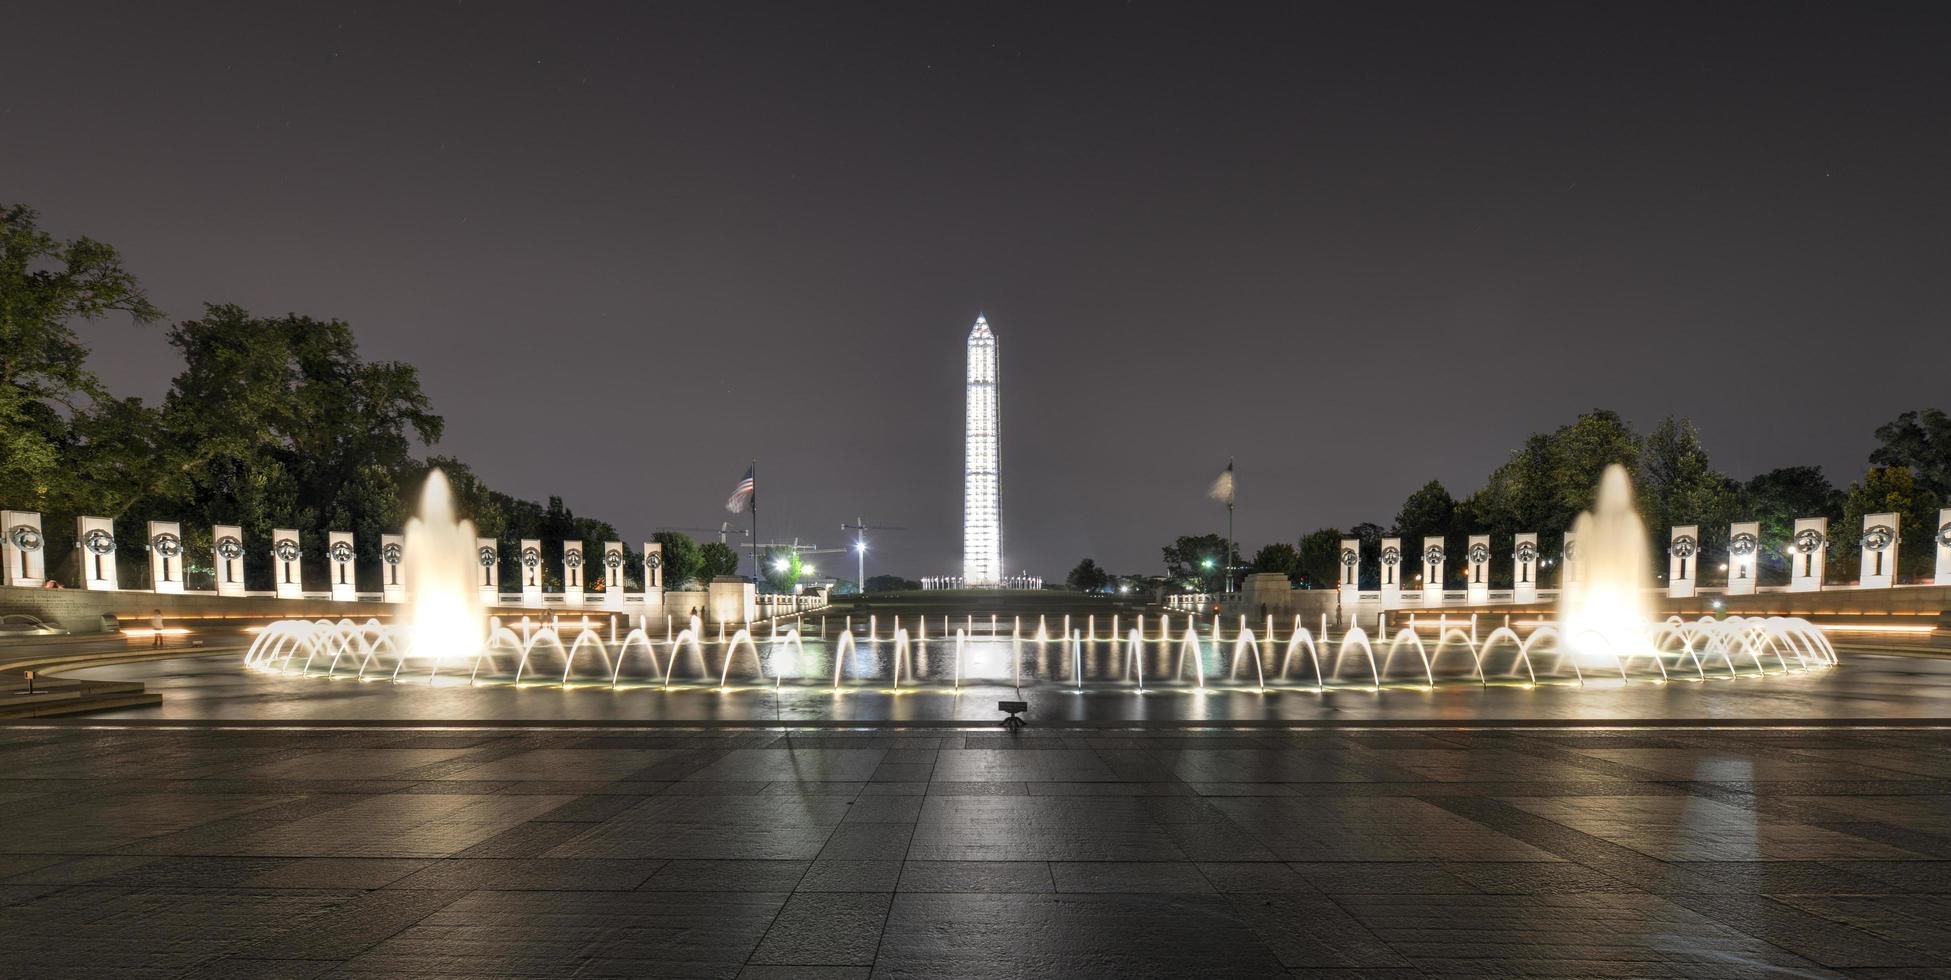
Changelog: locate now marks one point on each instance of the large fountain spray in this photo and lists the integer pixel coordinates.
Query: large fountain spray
(1602, 605)
(1607, 630)
(444, 608)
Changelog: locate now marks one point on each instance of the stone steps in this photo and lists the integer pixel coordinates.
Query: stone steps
(58, 696)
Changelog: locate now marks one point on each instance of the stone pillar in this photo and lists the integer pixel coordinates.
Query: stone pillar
(1478, 555)
(653, 565)
(531, 567)
(732, 599)
(1351, 559)
(95, 537)
(1683, 561)
(1351, 572)
(339, 553)
(572, 573)
(165, 556)
(1391, 570)
(1433, 572)
(1743, 553)
(1570, 570)
(1879, 551)
(1268, 591)
(613, 575)
(1806, 553)
(1943, 547)
(653, 581)
(1524, 568)
(24, 548)
(227, 558)
(392, 577)
(487, 556)
(284, 563)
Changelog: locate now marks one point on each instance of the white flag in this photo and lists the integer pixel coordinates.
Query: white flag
(1222, 490)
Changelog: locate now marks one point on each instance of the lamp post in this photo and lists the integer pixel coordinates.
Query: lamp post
(860, 527)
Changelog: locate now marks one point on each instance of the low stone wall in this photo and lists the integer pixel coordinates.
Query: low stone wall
(1905, 601)
(1910, 599)
(81, 611)
(1308, 604)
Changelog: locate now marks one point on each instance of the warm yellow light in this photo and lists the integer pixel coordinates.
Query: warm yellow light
(1872, 628)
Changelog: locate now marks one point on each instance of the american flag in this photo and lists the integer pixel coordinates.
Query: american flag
(1222, 490)
(741, 494)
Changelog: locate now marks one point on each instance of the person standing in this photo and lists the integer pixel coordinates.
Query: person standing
(156, 627)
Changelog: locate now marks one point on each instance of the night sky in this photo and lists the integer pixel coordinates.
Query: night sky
(631, 247)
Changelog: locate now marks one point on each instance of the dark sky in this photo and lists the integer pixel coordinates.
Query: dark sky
(1357, 246)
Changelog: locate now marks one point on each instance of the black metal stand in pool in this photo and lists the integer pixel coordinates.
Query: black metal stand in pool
(1012, 722)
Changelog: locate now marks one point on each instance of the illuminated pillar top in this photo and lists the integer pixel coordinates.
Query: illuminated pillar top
(982, 508)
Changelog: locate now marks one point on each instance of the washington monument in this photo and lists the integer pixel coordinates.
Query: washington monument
(982, 505)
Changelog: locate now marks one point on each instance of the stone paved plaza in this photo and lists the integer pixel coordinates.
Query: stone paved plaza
(1411, 852)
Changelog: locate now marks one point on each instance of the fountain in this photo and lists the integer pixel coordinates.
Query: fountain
(444, 606)
(1602, 611)
(1606, 633)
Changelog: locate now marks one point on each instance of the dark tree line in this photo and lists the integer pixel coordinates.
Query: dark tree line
(1552, 477)
(271, 421)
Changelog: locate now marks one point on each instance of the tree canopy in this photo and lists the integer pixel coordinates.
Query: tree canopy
(1198, 561)
(716, 559)
(1552, 476)
(1278, 558)
(54, 412)
(1088, 577)
(270, 422)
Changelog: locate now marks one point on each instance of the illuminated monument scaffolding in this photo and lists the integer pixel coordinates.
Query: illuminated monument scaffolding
(982, 508)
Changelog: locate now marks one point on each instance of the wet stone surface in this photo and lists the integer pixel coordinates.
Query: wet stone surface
(1428, 853)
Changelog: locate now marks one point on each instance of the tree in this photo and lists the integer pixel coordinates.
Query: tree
(683, 562)
(48, 397)
(1278, 558)
(1676, 485)
(1198, 562)
(1320, 557)
(1580, 452)
(892, 583)
(1885, 489)
(783, 568)
(278, 422)
(1519, 495)
(716, 559)
(1369, 571)
(1427, 512)
(1774, 500)
(1920, 442)
(1088, 577)
(272, 422)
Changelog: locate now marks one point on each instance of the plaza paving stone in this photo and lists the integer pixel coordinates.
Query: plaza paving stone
(882, 852)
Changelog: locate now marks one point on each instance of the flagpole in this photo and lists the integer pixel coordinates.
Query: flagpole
(1232, 492)
(755, 526)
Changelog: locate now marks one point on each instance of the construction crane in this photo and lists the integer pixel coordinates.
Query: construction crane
(803, 550)
(723, 530)
(860, 527)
